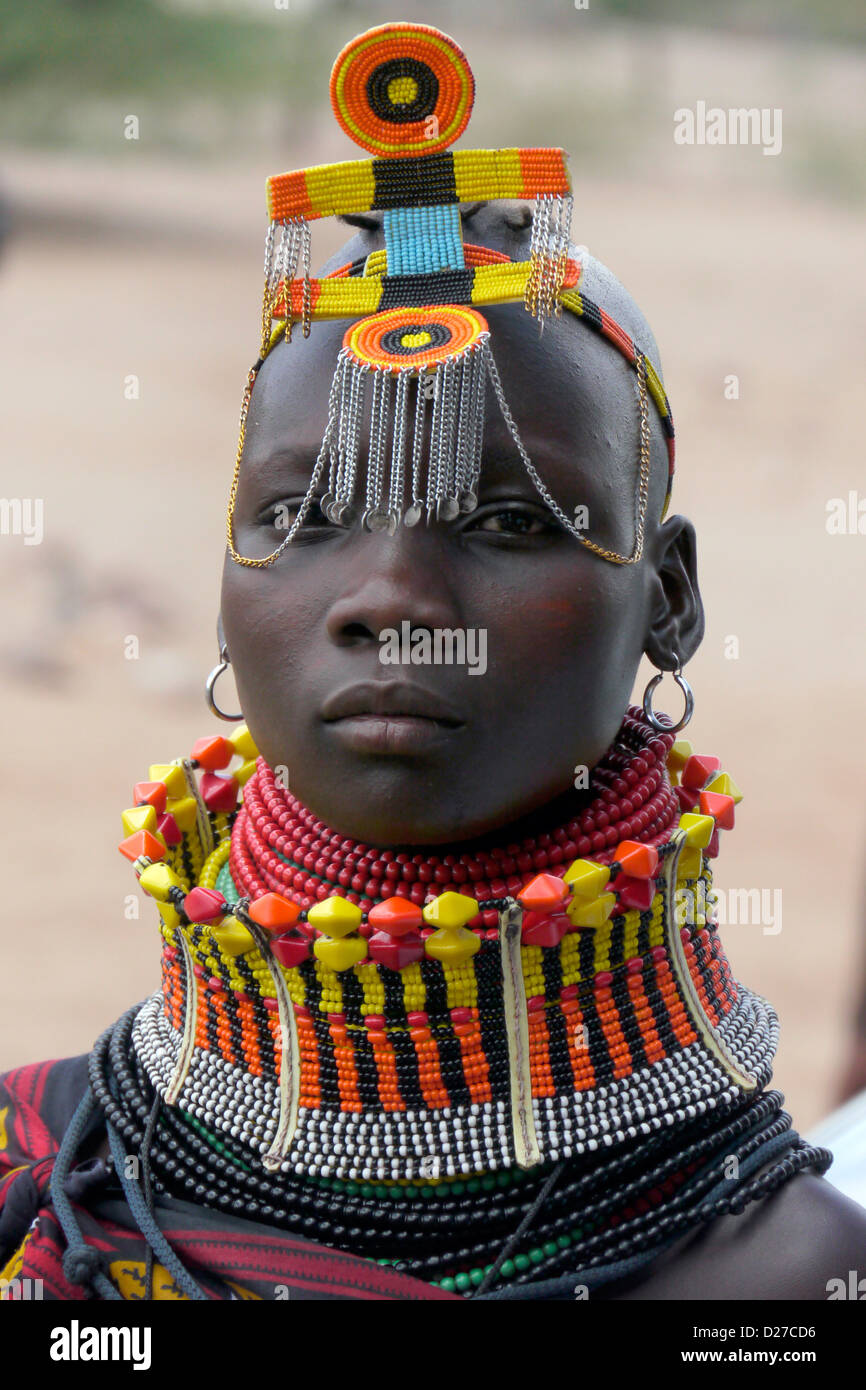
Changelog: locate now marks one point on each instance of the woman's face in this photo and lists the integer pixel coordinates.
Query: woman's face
(553, 634)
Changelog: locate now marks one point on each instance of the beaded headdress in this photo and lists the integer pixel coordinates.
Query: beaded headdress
(404, 92)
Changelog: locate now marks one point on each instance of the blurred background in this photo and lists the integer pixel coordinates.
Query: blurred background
(137, 138)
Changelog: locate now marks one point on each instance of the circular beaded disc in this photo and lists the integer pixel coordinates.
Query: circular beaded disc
(414, 337)
(402, 89)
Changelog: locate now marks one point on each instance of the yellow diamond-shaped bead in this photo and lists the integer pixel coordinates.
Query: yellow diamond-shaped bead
(335, 916)
(587, 879)
(690, 864)
(245, 772)
(242, 742)
(679, 755)
(452, 945)
(157, 880)
(139, 818)
(340, 955)
(699, 829)
(724, 785)
(233, 939)
(450, 910)
(171, 775)
(591, 913)
(184, 810)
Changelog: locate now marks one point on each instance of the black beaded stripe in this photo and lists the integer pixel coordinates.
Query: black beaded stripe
(452, 286)
(264, 1040)
(599, 1052)
(406, 1063)
(450, 1054)
(702, 958)
(627, 1019)
(617, 937)
(488, 973)
(658, 1008)
(557, 1025)
(186, 859)
(414, 181)
(362, 1051)
(395, 1006)
(643, 932)
(329, 1086)
(235, 1028)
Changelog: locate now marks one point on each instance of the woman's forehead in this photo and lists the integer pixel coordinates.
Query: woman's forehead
(571, 395)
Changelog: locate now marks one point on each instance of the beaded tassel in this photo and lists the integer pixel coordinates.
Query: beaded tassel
(453, 456)
(548, 254)
(283, 254)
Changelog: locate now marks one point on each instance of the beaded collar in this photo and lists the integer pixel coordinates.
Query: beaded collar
(362, 1015)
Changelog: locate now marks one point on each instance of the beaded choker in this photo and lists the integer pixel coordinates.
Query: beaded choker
(356, 1015)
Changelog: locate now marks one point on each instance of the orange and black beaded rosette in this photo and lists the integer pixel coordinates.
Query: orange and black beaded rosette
(404, 93)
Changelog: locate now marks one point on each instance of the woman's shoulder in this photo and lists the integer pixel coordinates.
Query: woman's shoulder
(797, 1244)
(37, 1101)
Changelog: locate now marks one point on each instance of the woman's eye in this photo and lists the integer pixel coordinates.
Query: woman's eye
(282, 515)
(512, 521)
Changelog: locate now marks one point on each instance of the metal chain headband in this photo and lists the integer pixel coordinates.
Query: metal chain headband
(405, 92)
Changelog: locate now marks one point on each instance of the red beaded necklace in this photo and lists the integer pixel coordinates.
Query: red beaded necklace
(278, 845)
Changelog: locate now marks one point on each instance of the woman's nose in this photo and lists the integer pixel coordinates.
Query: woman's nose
(391, 580)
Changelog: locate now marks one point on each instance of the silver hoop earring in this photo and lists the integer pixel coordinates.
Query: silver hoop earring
(688, 694)
(211, 681)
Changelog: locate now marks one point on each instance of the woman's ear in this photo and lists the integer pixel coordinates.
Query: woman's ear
(676, 625)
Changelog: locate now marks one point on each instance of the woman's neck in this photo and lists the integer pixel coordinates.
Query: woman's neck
(279, 845)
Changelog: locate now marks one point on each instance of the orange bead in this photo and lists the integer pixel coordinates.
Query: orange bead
(154, 793)
(274, 912)
(637, 860)
(212, 753)
(720, 807)
(396, 916)
(543, 893)
(142, 842)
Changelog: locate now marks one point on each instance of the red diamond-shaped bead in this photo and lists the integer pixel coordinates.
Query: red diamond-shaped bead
(290, 949)
(204, 905)
(219, 793)
(396, 952)
(169, 828)
(154, 793)
(544, 929)
(544, 893)
(212, 753)
(687, 798)
(633, 892)
(396, 916)
(698, 770)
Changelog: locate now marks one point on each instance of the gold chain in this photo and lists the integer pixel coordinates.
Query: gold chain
(233, 493)
(643, 477)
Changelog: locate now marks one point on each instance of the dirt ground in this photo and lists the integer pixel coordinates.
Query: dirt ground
(129, 282)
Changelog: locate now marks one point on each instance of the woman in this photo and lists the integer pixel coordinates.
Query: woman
(444, 1009)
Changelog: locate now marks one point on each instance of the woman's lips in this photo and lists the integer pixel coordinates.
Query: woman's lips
(390, 733)
(389, 717)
